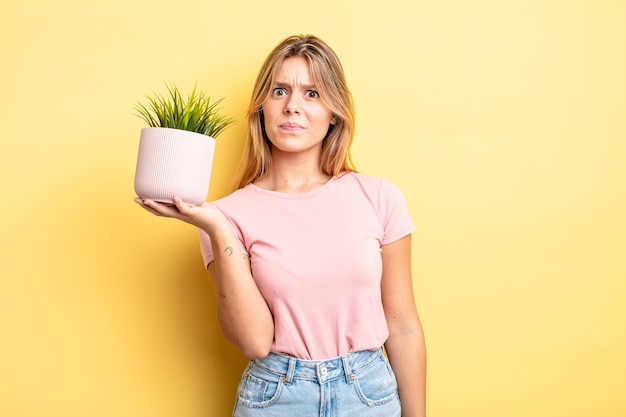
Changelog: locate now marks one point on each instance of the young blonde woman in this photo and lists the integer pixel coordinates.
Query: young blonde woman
(311, 260)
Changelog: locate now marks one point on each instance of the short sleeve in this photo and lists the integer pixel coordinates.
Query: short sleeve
(395, 213)
(205, 243)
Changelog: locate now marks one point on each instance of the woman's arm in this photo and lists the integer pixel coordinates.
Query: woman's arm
(405, 346)
(243, 314)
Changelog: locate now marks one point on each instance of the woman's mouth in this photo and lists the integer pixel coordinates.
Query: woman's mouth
(291, 127)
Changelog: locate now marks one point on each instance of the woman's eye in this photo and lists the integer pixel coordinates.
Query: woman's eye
(278, 92)
(312, 94)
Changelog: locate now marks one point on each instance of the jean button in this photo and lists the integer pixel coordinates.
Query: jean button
(323, 370)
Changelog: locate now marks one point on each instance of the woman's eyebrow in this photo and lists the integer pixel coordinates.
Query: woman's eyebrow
(283, 84)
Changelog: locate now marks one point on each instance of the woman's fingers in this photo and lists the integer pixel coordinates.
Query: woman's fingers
(158, 209)
(201, 216)
(182, 206)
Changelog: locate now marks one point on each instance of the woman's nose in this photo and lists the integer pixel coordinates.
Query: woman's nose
(292, 105)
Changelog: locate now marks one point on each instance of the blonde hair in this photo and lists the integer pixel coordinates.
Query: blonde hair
(328, 77)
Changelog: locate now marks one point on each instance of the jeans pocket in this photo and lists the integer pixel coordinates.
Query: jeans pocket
(376, 383)
(258, 388)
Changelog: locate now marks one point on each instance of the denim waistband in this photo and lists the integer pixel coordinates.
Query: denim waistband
(289, 368)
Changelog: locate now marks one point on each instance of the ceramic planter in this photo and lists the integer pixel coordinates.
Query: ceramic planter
(174, 163)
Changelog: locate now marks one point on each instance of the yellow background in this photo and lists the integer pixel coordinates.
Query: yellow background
(504, 123)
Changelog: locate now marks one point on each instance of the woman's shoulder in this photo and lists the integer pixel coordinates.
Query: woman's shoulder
(377, 189)
(368, 182)
(237, 197)
(355, 176)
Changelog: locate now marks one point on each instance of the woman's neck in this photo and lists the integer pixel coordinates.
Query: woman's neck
(292, 177)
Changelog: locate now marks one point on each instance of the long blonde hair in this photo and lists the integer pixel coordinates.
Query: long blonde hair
(328, 76)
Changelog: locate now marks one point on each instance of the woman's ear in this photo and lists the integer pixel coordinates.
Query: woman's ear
(333, 120)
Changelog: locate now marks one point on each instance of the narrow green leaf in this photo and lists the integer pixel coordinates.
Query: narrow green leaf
(196, 113)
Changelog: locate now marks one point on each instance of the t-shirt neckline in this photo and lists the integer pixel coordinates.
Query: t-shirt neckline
(295, 196)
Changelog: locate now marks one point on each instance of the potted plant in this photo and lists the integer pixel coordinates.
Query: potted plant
(176, 151)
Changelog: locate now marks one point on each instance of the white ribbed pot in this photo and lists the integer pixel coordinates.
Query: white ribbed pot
(174, 163)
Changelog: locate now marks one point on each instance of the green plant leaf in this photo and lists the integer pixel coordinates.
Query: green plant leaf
(196, 114)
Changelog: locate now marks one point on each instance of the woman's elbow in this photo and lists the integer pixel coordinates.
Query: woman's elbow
(256, 349)
(254, 345)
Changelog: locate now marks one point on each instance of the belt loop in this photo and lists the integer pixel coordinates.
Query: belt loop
(291, 369)
(346, 369)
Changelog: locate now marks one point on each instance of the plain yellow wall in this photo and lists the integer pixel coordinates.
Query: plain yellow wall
(504, 122)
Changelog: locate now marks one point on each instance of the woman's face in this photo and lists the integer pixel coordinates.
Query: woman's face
(296, 118)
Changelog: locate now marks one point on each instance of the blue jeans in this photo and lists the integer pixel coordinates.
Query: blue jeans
(359, 384)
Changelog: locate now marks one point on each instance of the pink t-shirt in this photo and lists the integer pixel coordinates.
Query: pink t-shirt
(316, 258)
